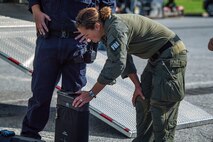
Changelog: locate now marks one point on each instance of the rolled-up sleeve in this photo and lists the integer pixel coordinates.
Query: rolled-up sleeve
(33, 2)
(117, 57)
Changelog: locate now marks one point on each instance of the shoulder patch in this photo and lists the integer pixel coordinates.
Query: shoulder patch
(115, 45)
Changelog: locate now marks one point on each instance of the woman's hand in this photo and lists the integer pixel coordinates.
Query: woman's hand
(82, 99)
(85, 97)
(137, 93)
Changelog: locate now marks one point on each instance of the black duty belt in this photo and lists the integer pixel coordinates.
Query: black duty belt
(168, 44)
(63, 34)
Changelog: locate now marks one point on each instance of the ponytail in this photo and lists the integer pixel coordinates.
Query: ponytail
(105, 13)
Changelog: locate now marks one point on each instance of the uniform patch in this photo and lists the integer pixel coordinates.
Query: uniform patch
(115, 45)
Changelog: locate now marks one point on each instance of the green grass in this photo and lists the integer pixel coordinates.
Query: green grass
(191, 6)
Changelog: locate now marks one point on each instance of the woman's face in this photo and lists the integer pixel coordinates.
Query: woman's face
(92, 34)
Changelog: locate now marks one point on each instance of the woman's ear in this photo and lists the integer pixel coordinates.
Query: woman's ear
(97, 26)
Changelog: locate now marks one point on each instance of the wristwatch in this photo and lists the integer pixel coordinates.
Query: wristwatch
(91, 94)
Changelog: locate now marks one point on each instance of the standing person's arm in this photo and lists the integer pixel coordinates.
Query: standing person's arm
(210, 44)
(33, 2)
(39, 16)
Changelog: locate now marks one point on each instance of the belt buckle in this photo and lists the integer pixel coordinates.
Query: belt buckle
(64, 34)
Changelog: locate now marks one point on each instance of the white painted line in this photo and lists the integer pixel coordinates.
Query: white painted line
(17, 26)
(199, 84)
(23, 79)
(15, 101)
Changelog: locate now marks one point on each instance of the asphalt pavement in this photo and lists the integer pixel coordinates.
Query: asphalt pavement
(194, 31)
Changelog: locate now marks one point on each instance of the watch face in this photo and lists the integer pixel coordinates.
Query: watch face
(91, 94)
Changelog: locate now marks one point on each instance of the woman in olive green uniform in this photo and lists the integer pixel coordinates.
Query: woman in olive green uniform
(157, 96)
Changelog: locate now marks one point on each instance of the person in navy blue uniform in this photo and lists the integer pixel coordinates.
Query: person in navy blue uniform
(57, 51)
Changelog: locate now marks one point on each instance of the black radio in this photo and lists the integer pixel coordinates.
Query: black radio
(72, 124)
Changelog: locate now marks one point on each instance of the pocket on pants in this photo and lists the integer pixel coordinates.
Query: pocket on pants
(173, 89)
(168, 81)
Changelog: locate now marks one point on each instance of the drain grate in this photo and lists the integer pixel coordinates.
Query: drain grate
(199, 91)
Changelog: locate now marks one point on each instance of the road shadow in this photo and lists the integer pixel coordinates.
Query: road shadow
(11, 116)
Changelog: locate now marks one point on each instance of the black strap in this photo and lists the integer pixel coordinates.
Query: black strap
(168, 44)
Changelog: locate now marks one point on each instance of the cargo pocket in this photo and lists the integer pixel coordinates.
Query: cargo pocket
(168, 81)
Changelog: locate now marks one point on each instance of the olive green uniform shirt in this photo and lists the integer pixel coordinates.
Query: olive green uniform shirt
(126, 35)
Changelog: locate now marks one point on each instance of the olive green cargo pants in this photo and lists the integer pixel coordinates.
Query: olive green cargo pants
(163, 86)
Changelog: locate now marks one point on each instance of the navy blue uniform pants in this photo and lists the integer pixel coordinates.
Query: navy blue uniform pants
(53, 58)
